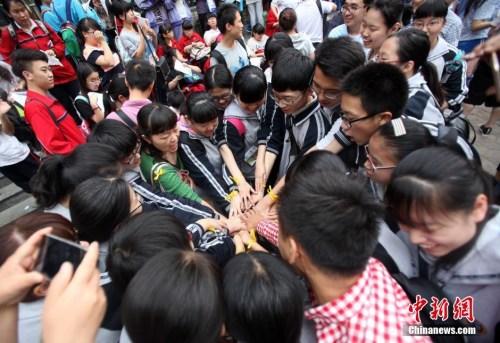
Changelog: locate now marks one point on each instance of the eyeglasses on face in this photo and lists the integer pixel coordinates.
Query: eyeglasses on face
(349, 123)
(329, 94)
(286, 100)
(374, 167)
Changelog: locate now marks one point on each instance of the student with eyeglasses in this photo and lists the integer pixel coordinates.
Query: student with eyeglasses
(352, 13)
(90, 102)
(372, 95)
(299, 122)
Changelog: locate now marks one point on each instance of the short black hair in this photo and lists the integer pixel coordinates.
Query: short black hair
(250, 84)
(336, 57)
(176, 99)
(316, 161)
(226, 14)
(218, 76)
(140, 238)
(264, 299)
(153, 119)
(431, 8)
(140, 74)
(120, 7)
(333, 218)
(275, 44)
(258, 29)
(382, 87)
(417, 137)
(118, 87)
(211, 15)
(201, 108)
(297, 78)
(8, 3)
(115, 134)
(187, 25)
(22, 59)
(94, 221)
(391, 10)
(176, 297)
(287, 19)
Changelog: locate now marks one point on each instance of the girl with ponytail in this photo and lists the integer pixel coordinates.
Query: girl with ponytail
(408, 49)
(58, 175)
(444, 203)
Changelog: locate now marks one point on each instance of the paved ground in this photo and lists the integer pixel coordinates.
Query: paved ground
(488, 146)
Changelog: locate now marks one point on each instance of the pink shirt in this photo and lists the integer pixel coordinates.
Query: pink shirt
(130, 108)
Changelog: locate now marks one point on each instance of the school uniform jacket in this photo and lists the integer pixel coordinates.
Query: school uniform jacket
(422, 104)
(202, 159)
(478, 275)
(187, 211)
(242, 132)
(307, 126)
(452, 73)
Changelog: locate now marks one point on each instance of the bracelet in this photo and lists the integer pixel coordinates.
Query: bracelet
(253, 239)
(274, 197)
(235, 180)
(231, 195)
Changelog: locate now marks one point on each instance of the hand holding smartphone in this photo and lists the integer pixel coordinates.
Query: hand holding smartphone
(55, 251)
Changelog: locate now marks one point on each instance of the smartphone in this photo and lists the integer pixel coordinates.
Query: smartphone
(495, 69)
(55, 251)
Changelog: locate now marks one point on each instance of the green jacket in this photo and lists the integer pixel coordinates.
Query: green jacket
(166, 176)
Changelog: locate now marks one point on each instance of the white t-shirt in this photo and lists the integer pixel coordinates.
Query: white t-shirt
(181, 9)
(310, 21)
(210, 35)
(253, 45)
(11, 150)
(282, 4)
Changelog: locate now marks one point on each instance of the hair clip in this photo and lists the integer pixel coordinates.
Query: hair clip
(398, 127)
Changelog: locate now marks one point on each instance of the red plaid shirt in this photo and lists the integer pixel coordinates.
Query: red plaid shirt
(268, 230)
(375, 309)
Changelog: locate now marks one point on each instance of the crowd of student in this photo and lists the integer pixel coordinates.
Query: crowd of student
(296, 187)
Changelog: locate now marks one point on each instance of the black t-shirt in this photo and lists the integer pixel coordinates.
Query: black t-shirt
(106, 76)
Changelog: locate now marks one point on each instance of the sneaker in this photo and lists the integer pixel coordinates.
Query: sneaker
(485, 130)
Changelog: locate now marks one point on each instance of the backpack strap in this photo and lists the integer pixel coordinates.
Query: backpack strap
(69, 17)
(323, 16)
(126, 119)
(12, 33)
(218, 57)
(51, 114)
(42, 26)
(238, 124)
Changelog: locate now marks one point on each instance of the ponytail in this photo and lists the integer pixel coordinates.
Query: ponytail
(46, 185)
(58, 176)
(428, 71)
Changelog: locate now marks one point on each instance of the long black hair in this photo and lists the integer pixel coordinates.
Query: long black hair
(414, 45)
(59, 175)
